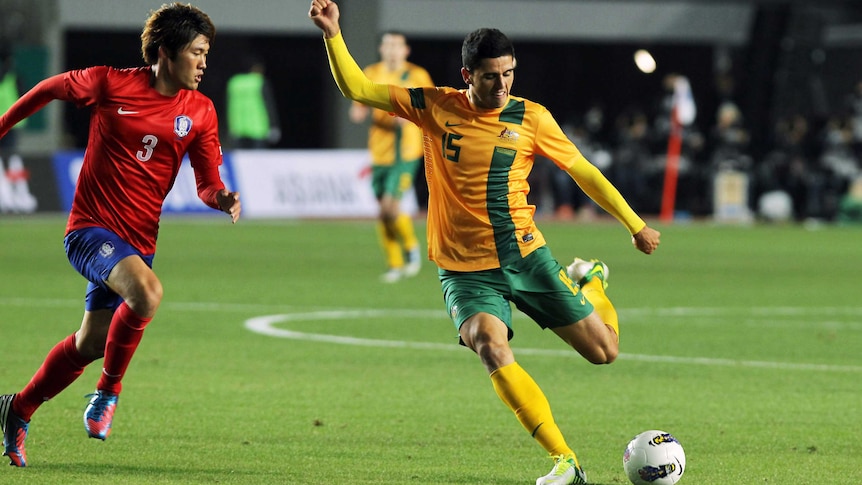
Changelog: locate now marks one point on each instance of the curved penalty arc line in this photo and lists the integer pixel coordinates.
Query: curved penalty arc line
(266, 325)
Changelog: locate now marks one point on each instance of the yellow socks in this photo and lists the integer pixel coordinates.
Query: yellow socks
(404, 232)
(594, 291)
(397, 239)
(524, 397)
(391, 248)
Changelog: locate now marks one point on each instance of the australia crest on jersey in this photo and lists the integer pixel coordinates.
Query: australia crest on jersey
(182, 125)
(508, 135)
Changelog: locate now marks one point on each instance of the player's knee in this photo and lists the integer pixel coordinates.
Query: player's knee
(491, 347)
(603, 355)
(146, 299)
(389, 215)
(494, 355)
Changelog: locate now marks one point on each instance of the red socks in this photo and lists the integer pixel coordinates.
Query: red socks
(127, 329)
(64, 363)
(60, 369)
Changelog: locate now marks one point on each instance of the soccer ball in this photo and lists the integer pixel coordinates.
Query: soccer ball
(654, 458)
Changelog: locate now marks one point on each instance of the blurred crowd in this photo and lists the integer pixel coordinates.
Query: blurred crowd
(809, 171)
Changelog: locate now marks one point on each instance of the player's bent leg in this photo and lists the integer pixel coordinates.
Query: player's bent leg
(591, 338)
(595, 293)
(138, 285)
(141, 291)
(488, 337)
(522, 395)
(592, 278)
(61, 367)
(583, 271)
(91, 337)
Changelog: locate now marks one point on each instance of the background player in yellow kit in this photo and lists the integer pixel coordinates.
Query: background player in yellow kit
(395, 146)
(480, 144)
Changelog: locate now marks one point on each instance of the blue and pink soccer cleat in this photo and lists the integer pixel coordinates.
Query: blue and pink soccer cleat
(99, 414)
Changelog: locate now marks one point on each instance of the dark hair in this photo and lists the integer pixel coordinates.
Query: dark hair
(397, 33)
(484, 44)
(173, 26)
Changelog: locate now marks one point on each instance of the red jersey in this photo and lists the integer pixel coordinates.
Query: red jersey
(137, 141)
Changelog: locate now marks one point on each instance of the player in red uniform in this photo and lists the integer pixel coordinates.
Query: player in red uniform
(144, 121)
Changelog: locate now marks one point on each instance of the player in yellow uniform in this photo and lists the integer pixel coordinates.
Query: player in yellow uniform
(480, 144)
(395, 146)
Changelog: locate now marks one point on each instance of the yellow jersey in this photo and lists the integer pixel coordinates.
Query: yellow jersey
(390, 139)
(476, 165)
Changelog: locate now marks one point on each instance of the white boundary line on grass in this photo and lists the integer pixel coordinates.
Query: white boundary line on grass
(266, 325)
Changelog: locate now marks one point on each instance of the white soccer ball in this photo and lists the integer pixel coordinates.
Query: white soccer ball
(654, 458)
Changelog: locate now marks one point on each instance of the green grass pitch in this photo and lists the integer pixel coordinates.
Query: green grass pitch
(744, 342)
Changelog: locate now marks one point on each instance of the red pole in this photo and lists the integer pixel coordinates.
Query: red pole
(674, 146)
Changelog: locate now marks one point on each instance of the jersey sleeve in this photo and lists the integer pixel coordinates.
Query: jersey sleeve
(591, 180)
(352, 82)
(32, 101)
(412, 103)
(205, 155)
(84, 87)
(555, 145)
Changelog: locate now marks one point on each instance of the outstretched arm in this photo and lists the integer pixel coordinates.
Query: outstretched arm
(348, 75)
(32, 101)
(600, 189)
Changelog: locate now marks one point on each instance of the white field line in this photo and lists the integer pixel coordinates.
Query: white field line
(266, 325)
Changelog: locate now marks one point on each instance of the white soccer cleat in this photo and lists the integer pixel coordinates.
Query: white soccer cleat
(582, 271)
(393, 275)
(414, 263)
(565, 472)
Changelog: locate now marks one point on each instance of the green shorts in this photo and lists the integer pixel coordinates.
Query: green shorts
(393, 180)
(538, 286)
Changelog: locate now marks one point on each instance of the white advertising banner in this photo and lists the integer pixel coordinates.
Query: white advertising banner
(307, 184)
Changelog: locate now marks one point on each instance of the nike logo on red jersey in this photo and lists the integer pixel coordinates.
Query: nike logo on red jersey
(121, 111)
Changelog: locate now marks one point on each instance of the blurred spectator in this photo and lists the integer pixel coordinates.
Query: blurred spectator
(839, 165)
(728, 144)
(252, 116)
(569, 200)
(631, 159)
(727, 149)
(854, 111)
(788, 166)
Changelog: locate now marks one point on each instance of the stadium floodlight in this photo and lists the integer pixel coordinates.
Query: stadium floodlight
(645, 61)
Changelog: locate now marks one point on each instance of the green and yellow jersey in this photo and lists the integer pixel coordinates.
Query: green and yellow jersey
(388, 139)
(476, 165)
